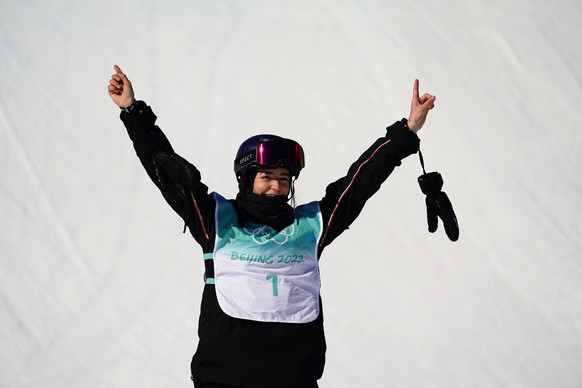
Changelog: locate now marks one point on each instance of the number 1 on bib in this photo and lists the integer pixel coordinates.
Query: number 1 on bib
(275, 286)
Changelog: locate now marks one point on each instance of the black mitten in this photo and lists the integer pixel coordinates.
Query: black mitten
(438, 205)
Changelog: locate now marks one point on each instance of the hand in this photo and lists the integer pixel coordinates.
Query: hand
(419, 108)
(120, 89)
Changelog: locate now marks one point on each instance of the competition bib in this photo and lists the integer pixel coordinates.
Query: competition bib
(265, 275)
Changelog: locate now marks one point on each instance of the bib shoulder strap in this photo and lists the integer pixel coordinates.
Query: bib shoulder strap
(209, 268)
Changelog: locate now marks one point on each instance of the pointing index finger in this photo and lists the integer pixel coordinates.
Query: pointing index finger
(415, 90)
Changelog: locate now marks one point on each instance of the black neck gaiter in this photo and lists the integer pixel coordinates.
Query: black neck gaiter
(273, 211)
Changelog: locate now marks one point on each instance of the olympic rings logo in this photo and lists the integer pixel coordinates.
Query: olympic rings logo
(264, 234)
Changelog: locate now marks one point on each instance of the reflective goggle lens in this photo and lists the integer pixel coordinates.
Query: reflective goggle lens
(279, 152)
(275, 153)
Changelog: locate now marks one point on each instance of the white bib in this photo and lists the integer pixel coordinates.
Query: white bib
(264, 275)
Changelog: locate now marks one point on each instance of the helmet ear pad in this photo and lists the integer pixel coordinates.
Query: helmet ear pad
(246, 180)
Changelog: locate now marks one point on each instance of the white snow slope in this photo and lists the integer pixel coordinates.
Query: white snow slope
(100, 288)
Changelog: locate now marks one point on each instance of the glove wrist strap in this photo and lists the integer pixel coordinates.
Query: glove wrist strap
(421, 161)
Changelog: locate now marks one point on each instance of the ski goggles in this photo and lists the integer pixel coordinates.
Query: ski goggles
(272, 154)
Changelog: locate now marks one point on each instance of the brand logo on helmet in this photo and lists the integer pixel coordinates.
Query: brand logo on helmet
(247, 158)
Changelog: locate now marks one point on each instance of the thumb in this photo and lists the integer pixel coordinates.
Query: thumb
(120, 73)
(432, 212)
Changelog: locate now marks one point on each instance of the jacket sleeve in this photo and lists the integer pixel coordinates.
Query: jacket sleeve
(345, 198)
(178, 180)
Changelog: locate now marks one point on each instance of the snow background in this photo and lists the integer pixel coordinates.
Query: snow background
(98, 286)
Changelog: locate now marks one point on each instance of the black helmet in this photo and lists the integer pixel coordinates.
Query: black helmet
(270, 151)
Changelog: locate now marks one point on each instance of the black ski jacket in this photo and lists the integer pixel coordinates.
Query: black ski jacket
(241, 352)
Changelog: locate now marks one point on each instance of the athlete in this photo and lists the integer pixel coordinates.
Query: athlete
(261, 319)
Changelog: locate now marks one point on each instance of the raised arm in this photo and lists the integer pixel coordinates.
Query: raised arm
(178, 180)
(345, 198)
